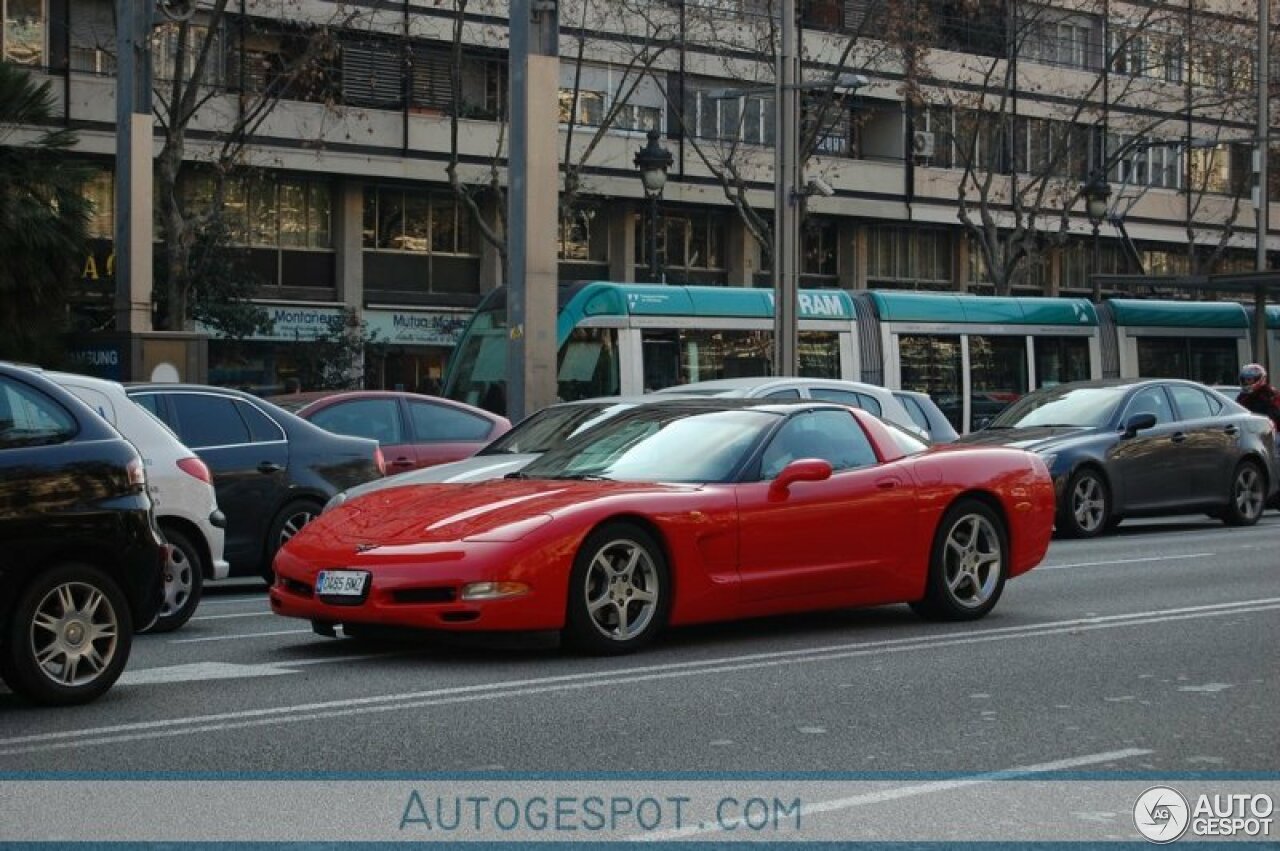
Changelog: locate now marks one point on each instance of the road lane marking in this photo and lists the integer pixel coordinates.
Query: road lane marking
(898, 793)
(264, 613)
(239, 636)
(1120, 561)
(166, 728)
(197, 671)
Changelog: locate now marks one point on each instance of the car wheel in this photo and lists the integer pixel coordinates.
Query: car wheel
(1248, 495)
(619, 591)
(288, 523)
(967, 565)
(183, 583)
(69, 637)
(1086, 507)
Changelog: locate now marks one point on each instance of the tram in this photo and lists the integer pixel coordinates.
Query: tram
(972, 354)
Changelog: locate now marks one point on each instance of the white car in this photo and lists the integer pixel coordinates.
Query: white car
(870, 397)
(181, 491)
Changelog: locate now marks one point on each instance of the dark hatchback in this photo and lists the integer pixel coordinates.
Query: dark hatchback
(272, 471)
(1122, 448)
(81, 560)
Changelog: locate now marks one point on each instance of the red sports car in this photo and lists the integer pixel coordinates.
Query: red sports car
(678, 513)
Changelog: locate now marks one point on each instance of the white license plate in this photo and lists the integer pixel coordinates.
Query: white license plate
(341, 583)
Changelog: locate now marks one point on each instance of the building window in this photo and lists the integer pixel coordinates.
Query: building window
(590, 108)
(1210, 169)
(621, 98)
(747, 119)
(268, 211)
(414, 221)
(909, 256)
(819, 254)
(584, 235)
(1055, 38)
(100, 191)
(167, 52)
(22, 33)
(690, 243)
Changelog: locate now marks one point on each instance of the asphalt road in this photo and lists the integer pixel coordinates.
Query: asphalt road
(1151, 650)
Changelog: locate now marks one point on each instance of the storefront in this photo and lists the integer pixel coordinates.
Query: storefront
(293, 355)
(411, 348)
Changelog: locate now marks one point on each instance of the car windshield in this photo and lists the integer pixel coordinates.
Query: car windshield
(1068, 407)
(655, 444)
(551, 426)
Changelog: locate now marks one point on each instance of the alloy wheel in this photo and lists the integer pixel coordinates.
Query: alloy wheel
(74, 634)
(293, 524)
(1089, 504)
(178, 582)
(972, 561)
(1248, 492)
(622, 589)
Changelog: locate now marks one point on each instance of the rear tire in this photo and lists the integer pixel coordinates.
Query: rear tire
(968, 564)
(619, 591)
(1086, 508)
(69, 637)
(288, 522)
(183, 583)
(1248, 495)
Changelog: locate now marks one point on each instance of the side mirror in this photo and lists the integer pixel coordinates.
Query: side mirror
(1137, 423)
(801, 470)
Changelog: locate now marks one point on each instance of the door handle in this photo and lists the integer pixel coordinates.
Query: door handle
(402, 461)
(1231, 430)
(886, 484)
(1178, 437)
(267, 467)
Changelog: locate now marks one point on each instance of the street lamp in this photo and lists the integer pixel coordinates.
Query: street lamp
(653, 160)
(1097, 193)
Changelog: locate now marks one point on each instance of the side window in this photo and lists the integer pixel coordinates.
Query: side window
(870, 403)
(915, 412)
(1150, 400)
(843, 397)
(377, 419)
(442, 423)
(205, 421)
(1192, 404)
(30, 418)
(833, 436)
(98, 401)
(154, 403)
(789, 393)
(262, 429)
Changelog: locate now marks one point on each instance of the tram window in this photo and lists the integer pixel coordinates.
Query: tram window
(997, 375)
(819, 353)
(661, 353)
(931, 364)
(1061, 359)
(1211, 360)
(588, 364)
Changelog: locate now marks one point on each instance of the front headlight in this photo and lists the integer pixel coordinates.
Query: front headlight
(493, 590)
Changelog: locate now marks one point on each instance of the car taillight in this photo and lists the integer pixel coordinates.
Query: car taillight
(380, 461)
(195, 467)
(137, 474)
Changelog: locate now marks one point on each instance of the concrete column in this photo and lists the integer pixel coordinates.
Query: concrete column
(622, 241)
(960, 260)
(348, 243)
(741, 253)
(851, 258)
(491, 271)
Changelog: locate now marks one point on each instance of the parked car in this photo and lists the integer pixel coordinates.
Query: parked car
(535, 434)
(1122, 448)
(181, 491)
(681, 512)
(413, 430)
(868, 397)
(272, 471)
(925, 413)
(81, 559)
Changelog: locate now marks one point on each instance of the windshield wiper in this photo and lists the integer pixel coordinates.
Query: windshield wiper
(584, 477)
(516, 475)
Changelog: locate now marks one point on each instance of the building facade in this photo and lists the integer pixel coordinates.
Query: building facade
(364, 193)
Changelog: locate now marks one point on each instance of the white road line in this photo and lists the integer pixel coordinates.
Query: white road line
(1120, 561)
(261, 614)
(165, 728)
(900, 792)
(236, 637)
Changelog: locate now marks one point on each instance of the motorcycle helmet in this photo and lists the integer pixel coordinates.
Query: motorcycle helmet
(1251, 375)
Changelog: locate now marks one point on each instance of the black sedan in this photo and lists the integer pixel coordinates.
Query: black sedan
(272, 471)
(1122, 448)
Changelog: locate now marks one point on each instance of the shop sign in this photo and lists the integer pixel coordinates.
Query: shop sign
(415, 328)
(102, 361)
(290, 323)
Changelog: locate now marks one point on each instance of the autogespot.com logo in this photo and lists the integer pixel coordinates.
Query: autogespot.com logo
(1161, 814)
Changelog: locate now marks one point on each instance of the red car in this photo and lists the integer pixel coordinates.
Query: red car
(413, 430)
(678, 513)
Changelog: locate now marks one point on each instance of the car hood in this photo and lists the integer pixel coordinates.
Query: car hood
(477, 468)
(1036, 439)
(504, 509)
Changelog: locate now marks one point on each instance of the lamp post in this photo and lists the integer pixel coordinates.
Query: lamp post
(1096, 194)
(653, 160)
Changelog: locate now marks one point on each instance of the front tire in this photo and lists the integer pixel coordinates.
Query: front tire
(288, 522)
(183, 583)
(70, 636)
(619, 591)
(1248, 495)
(968, 564)
(1086, 509)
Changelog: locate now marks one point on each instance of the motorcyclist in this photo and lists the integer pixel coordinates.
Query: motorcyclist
(1257, 395)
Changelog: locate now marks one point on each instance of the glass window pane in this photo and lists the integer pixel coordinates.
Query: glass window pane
(432, 423)
(932, 365)
(262, 213)
(319, 216)
(444, 232)
(262, 429)
(390, 219)
(376, 419)
(1151, 400)
(1192, 404)
(24, 32)
(293, 214)
(819, 354)
(587, 365)
(205, 421)
(370, 227)
(30, 418)
(1162, 357)
(997, 375)
(1061, 359)
(417, 222)
(833, 436)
